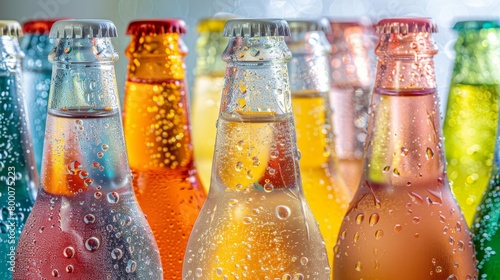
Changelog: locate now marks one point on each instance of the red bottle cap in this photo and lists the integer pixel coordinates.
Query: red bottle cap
(39, 26)
(406, 25)
(156, 26)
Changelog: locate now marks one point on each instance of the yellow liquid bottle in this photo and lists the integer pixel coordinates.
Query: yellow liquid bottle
(256, 223)
(208, 83)
(324, 188)
(470, 124)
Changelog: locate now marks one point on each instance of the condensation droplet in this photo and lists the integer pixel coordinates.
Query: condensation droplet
(416, 220)
(395, 172)
(404, 151)
(89, 219)
(268, 187)
(439, 269)
(282, 212)
(238, 166)
(355, 237)
(198, 272)
(70, 268)
(387, 168)
(55, 273)
(374, 218)
(398, 228)
(97, 195)
(379, 234)
(104, 147)
(429, 154)
(218, 271)
(359, 218)
(113, 197)
(131, 266)
(116, 254)
(239, 145)
(92, 244)
(100, 154)
(304, 260)
(358, 266)
(68, 252)
(247, 220)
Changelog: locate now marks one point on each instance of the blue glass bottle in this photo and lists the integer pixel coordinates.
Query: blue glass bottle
(18, 176)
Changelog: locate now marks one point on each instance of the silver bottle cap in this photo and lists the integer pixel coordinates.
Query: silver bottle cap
(309, 25)
(83, 28)
(256, 28)
(10, 28)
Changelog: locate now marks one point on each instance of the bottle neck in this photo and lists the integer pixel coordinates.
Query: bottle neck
(156, 57)
(37, 48)
(11, 54)
(477, 59)
(209, 48)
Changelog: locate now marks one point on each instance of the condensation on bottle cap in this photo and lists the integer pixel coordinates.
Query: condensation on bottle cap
(256, 28)
(406, 25)
(308, 25)
(39, 26)
(156, 26)
(476, 24)
(83, 28)
(10, 28)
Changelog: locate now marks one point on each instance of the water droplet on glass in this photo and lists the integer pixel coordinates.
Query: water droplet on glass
(249, 175)
(255, 161)
(387, 168)
(100, 154)
(92, 244)
(398, 228)
(113, 197)
(374, 218)
(452, 240)
(396, 172)
(452, 277)
(379, 234)
(247, 220)
(131, 266)
(238, 166)
(89, 219)
(282, 212)
(298, 276)
(69, 252)
(358, 266)
(275, 154)
(83, 174)
(304, 260)
(218, 271)
(41, 229)
(233, 202)
(404, 151)
(268, 187)
(439, 269)
(239, 145)
(359, 218)
(104, 147)
(429, 154)
(70, 268)
(97, 195)
(116, 254)
(74, 167)
(198, 272)
(416, 220)
(355, 237)
(55, 273)
(460, 245)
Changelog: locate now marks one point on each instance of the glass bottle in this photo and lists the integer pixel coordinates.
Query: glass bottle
(18, 177)
(37, 72)
(350, 92)
(158, 138)
(86, 222)
(256, 222)
(471, 117)
(403, 222)
(323, 186)
(208, 82)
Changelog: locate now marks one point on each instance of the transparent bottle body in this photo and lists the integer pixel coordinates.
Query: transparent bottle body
(157, 131)
(86, 222)
(256, 222)
(18, 177)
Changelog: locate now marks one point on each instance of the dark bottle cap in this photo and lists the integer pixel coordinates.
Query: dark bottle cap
(156, 26)
(256, 28)
(83, 28)
(405, 26)
(39, 26)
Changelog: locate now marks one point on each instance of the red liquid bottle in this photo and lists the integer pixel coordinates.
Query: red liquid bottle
(403, 222)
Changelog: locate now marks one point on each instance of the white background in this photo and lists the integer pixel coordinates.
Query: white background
(444, 13)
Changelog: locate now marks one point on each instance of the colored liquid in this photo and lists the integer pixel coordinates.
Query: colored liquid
(17, 177)
(86, 223)
(206, 102)
(350, 120)
(165, 181)
(36, 85)
(255, 222)
(323, 187)
(470, 129)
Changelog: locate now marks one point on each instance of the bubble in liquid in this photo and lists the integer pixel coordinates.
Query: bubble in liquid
(198, 272)
(92, 244)
(89, 219)
(374, 218)
(131, 266)
(218, 271)
(68, 252)
(239, 145)
(97, 195)
(268, 187)
(113, 197)
(282, 212)
(70, 268)
(304, 260)
(238, 166)
(116, 254)
(55, 273)
(359, 218)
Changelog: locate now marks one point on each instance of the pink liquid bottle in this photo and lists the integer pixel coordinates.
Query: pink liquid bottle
(404, 222)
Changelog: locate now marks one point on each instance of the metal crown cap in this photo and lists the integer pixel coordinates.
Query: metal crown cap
(83, 28)
(39, 26)
(156, 26)
(309, 25)
(405, 26)
(256, 28)
(476, 24)
(10, 28)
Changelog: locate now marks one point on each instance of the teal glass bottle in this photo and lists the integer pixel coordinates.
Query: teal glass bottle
(18, 177)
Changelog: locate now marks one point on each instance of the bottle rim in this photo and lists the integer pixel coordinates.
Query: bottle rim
(156, 26)
(406, 25)
(40, 26)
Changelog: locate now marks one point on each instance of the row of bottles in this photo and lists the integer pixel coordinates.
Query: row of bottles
(265, 196)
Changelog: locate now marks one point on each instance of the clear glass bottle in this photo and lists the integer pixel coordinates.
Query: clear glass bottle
(18, 177)
(208, 83)
(323, 186)
(256, 222)
(37, 73)
(350, 92)
(404, 222)
(471, 117)
(156, 124)
(86, 222)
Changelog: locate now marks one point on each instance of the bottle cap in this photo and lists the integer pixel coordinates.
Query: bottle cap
(256, 28)
(83, 28)
(405, 26)
(308, 25)
(156, 26)
(476, 24)
(39, 26)
(10, 28)
(212, 24)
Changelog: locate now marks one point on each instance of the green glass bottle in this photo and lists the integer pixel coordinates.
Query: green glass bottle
(471, 117)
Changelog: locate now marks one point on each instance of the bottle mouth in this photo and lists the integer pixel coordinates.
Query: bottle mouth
(405, 26)
(156, 26)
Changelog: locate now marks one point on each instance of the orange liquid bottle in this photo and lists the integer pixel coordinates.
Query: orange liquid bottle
(404, 222)
(350, 81)
(158, 136)
(324, 188)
